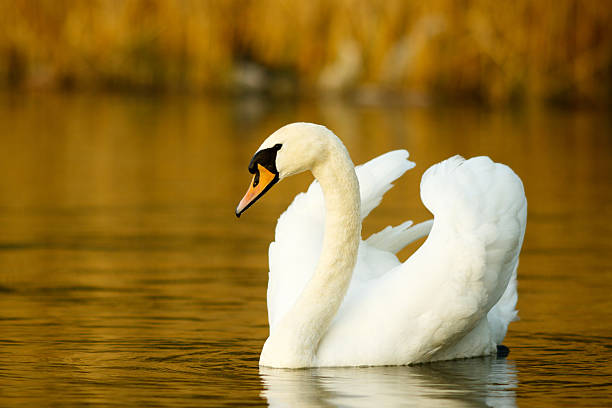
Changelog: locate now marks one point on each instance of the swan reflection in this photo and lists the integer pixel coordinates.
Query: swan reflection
(487, 381)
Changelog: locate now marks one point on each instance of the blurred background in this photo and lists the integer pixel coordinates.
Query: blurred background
(491, 52)
(126, 129)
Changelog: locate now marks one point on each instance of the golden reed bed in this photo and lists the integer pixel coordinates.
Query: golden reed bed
(490, 51)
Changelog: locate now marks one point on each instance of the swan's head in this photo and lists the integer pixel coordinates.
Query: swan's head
(290, 150)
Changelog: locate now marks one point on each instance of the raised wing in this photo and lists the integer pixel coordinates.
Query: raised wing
(394, 239)
(481, 211)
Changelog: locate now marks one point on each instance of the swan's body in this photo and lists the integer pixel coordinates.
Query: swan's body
(335, 300)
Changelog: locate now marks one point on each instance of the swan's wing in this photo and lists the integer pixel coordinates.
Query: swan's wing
(435, 305)
(504, 311)
(394, 239)
(299, 233)
(489, 215)
(482, 205)
(377, 175)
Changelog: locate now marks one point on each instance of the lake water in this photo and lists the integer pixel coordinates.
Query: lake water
(126, 279)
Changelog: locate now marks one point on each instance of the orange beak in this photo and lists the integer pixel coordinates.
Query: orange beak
(263, 180)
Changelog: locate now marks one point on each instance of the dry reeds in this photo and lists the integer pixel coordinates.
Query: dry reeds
(491, 51)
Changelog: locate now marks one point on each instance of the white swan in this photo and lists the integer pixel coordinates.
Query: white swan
(335, 300)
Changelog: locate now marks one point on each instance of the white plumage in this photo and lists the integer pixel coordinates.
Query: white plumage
(453, 298)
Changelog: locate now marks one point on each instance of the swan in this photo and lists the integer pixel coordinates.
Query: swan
(337, 300)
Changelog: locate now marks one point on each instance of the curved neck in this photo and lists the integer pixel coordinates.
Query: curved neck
(294, 341)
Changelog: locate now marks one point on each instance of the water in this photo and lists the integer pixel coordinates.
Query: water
(125, 278)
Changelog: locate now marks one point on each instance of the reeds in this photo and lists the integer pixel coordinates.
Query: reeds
(490, 51)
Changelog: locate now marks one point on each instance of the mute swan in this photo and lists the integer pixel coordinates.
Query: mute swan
(336, 300)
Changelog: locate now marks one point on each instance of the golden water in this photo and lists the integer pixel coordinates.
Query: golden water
(125, 278)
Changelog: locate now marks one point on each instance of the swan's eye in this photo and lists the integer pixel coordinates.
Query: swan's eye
(266, 158)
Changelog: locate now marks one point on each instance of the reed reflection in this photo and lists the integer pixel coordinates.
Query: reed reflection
(486, 381)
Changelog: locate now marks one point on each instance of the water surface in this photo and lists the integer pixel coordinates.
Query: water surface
(125, 278)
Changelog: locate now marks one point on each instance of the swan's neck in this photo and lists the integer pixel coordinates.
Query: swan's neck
(294, 341)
